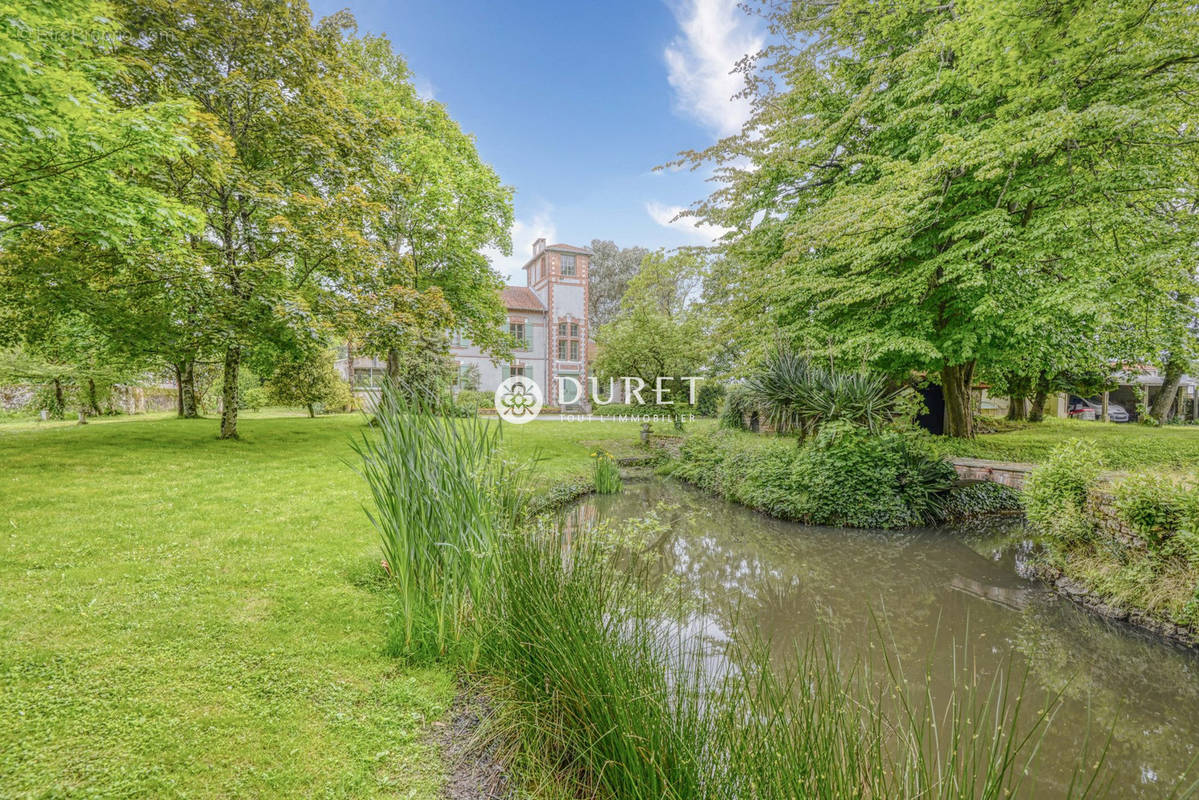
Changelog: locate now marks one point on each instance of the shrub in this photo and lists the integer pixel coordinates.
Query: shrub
(738, 404)
(842, 476)
(472, 399)
(708, 398)
(1153, 505)
(798, 393)
(308, 380)
(1055, 492)
(851, 477)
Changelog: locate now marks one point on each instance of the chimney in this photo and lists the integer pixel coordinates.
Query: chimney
(538, 246)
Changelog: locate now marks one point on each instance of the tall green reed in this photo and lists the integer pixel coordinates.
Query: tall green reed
(601, 686)
(605, 473)
(442, 494)
(597, 684)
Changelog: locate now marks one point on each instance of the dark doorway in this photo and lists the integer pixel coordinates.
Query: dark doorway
(932, 420)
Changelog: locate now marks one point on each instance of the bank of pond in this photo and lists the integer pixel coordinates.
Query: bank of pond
(662, 642)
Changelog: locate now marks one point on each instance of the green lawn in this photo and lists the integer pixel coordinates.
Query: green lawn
(1124, 446)
(183, 616)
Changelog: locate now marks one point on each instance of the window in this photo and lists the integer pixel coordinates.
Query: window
(568, 265)
(513, 371)
(569, 345)
(517, 331)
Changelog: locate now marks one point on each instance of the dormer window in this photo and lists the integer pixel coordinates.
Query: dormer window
(568, 265)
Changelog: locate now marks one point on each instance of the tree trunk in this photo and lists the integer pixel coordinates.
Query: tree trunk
(187, 390)
(178, 390)
(1040, 395)
(311, 411)
(93, 404)
(1017, 410)
(61, 410)
(393, 364)
(1104, 411)
(956, 381)
(229, 398)
(82, 417)
(1164, 402)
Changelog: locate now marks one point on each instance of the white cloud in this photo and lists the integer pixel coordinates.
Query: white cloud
(665, 215)
(524, 233)
(425, 89)
(713, 36)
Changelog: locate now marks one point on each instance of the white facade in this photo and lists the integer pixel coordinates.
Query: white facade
(550, 312)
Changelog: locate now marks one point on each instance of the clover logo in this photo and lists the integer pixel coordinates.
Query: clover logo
(518, 400)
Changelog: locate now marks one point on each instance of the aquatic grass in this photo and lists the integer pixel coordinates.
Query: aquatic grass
(605, 472)
(442, 492)
(595, 683)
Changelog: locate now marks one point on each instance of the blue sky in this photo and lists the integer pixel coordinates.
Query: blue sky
(575, 103)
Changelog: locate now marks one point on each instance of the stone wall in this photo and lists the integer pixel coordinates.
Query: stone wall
(1008, 473)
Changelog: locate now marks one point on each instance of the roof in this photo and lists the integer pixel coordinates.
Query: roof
(520, 298)
(561, 248)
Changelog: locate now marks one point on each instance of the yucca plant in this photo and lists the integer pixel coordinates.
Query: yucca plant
(797, 393)
(442, 494)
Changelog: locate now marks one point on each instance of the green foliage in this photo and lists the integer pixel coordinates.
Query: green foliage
(1157, 506)
(739, 404)
(308, 379)
(251, 394)
(708, 399)
(469, 398)
(1056, 491)
(797, 393)
(658, 333)
(605, 473)
(70, 155)
(442, 496)
(843, 475)
(851, 477)
(927, 186)
(979, 499)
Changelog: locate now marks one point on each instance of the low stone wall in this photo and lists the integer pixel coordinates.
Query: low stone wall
(1008, 473)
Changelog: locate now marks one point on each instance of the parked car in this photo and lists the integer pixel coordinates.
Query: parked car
(1093, 409)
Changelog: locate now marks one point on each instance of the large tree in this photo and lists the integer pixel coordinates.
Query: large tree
(924, 185)
(659, 330)
(274, 174)
(70, 156)
(611, 268)
(437, 206)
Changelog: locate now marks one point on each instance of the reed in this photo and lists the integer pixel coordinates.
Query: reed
(595, 685)
(605, 472)
(442, 493)
(602, 690)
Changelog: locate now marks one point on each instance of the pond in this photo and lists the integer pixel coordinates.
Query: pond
(935, 592)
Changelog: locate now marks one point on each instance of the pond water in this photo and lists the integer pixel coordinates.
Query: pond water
(935, 591)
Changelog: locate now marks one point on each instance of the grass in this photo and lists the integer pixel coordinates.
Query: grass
(184, 616)
(1123, 446)
(597, 683)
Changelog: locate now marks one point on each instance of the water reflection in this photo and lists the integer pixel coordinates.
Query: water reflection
(933, 592)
